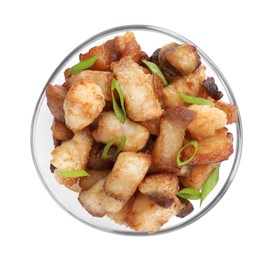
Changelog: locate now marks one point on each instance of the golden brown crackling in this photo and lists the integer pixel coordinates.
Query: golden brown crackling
(198, 176)
(113, 50)
(101, 78)
(230, 110)
(170, 140)
(109, 127)
(97, 202)
(55, 95)
(184, 58)
(70, 183)
(160, 187)
(190, 85)
(147, 216)
(215, 148)
(127, 173)
(208, 119)
(83, 104)
(141, 102)
(73, 154)
(61, 131)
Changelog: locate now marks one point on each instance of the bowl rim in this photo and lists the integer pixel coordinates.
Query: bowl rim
(170, 33)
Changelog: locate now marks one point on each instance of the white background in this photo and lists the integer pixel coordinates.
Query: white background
(37, 35)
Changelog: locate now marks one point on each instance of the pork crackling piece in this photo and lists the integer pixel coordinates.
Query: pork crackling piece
(73, 154)
(55, 95)
(212, 149)
(102, 78)
(141, 102)
(113, 50)
(127, 173)
(207, 121)
(170, 139)
(97, 202)
(190, 85)
(198, 176)
(83, 104)
(110, 127)
(176, 59)
(147, 216)
(160, 187)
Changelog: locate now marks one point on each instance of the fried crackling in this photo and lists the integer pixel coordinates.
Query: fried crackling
(184, 58)
(97, 202)
(215, 148)
(106, 54)
(55, 95)
(127, 173)
(61, 131)
(160, 187)
(190, 85)
(94, 176)
(113, 50)
(128, 46)
(70, 183)
(83, 104)
(230, 110)
(120, 216)
(110, 127)
(170, 139)
(73, 154)
(102, 78)
(175, 59)
(141, 102)
(208, 119)
(198, 176)
(147, 216)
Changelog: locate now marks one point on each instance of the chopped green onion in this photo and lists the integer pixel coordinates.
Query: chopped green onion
(119, 111)
(179, 162)
(155, 69)
(74, 173)
(83, 65)
(121, 139)
(195, 100)
(189, 193)
(209, 184)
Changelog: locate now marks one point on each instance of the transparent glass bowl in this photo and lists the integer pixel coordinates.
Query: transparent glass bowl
(150, 38)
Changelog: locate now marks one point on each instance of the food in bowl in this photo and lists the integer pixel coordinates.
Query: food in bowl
(138, 136)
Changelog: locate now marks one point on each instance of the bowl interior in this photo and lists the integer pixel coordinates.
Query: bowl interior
(150, 38)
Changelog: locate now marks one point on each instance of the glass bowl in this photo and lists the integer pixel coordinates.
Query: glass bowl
(150, 38)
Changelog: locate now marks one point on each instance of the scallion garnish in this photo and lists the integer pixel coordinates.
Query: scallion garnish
(119, 111)
(193, 194)
(83, 65)
(155, 69)
(195, 100)
(209, 184)
(121, 139)
(74, 173)
(189, 193)
(178, 160)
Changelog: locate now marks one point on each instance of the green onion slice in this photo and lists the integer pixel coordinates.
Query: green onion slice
(179, 162)
(119, 111)
(74, 173)
(155, 69)
(189, 193)
(209, 184)
(83, 65)
(195, 100)
(121, 139)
